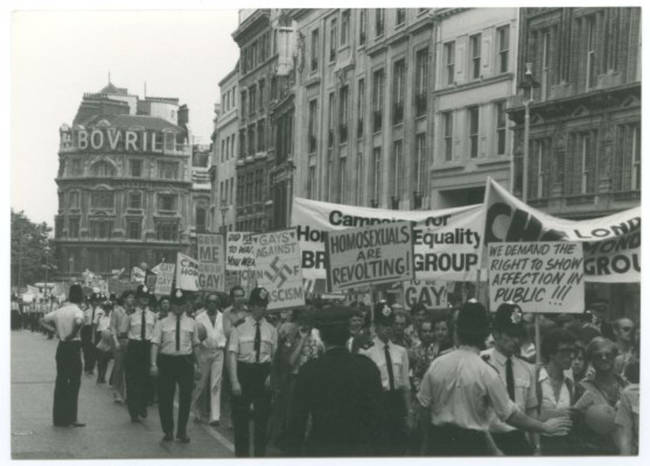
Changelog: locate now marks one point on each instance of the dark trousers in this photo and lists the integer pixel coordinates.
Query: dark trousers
(513, 443)
(251, 378)
(394, 429)
(88, 347)
(138, 354)
(451, 440)
(174, 370)
(102, 364)
(68, 381)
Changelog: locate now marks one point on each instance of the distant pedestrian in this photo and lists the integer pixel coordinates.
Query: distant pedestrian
(119, 326)
(88, 335)
(66, 322)
(105, 341)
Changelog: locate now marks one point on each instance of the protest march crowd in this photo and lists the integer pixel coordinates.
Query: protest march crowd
(329, 379)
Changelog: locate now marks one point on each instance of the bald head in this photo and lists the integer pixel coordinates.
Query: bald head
(624, 329)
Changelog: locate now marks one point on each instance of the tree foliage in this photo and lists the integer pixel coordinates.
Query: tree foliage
(29, 250)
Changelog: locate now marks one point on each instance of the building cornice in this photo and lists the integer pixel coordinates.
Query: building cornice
(254, 20)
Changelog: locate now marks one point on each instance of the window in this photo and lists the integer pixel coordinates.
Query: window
(315, 46)
(134, 229)
(635, 139)
(73, 227)
(342, 180)
(333, 41)
(343, 114)
(200, 220)
(261, 136)
(420, 159)
(473, 131)
(400, 16)
(101, 229)
(345, 27)
(539, 179)
(252, 142)
(376, 174)
(274, 87)
(398, 91)
(331, 119)
(501, 127)
(475, 47)
(448, 125)
(362, 25)
(358, 196)
(261, 86)
(311, 131)
(503, 38)
(421, 80)
(73, 199)
(361, 106)
(591, 51)
(311, 182)
(135, 168)
(135, 200)
(546, 50)
(167, 231)
(379, 22)
(252, 102)
(587, 161)
(396, 172)
(243, 104)
(168, 170)
(102, 200)
(242, 143)
(103, 170)
(223, 149)
(450, 59)
(377, 98)
(167, 202)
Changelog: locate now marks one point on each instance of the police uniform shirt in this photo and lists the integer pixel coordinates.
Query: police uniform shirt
(135, 324)
(461, 389)
(164, 335)
(242, 341)
(119, 321)
(64, 319)
(90, 314)
(524, 379)
(399, 359)
(215, 338)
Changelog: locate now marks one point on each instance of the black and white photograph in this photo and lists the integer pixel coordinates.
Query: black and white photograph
(324, 232)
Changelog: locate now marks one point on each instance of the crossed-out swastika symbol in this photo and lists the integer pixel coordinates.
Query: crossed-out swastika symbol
(279, 272)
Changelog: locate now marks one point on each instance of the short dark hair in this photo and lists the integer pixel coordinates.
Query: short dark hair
(236, 288)
(552, 340)
(334, 335)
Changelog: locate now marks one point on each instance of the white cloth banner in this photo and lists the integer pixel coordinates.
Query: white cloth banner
(447, 243)
(187, 273)
(164, 278)
(611, 244)
(240, 251)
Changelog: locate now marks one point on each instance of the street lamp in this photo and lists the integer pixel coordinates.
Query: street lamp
(528, 84)
(224, 210)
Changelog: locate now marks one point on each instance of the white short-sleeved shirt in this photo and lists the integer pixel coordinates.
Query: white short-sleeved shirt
(134, 324)
(215, 337)
(399, 359)
(64, 320)
(242, 341)
(91, 315)
(547, 395)
(103, 323)
(461, 389)
(164, 335)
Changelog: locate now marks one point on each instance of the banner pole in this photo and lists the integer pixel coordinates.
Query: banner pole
(538, 341)
(478, 284)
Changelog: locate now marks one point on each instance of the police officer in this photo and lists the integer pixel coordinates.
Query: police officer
(172, 361)
(460, 392)
(517, 375)
(66, 322)
(88, 334)
(393, 364)
(251, 350)
(342, 394)
(139, 328)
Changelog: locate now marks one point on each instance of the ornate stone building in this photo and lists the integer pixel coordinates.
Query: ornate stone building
(124, 183)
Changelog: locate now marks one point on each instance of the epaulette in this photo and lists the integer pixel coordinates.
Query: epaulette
(486, 358)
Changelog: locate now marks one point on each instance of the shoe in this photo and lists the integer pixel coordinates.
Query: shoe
(135, 419)
(214, 424)
(78, 424)
(183, 438)
(168, 438)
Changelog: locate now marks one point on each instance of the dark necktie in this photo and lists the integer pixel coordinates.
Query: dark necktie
(92, 317)
(258, 341)
(510, 379)
(178, 332)
(389, 367)
(142, 331)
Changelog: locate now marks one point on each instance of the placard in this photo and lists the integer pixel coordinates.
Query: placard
(538, 276)
(277, 261)
(187, 272)
(381, 253)
(164, 278)
(211, 262)
(240, 251)
(430, 293)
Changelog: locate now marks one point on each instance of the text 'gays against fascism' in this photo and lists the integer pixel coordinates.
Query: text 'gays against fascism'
(540, 276)
(374, 254)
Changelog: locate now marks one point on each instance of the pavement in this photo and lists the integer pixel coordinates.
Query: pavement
(109, 432)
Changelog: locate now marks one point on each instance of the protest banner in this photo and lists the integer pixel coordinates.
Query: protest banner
(240, 251)
(138, 275)
(187, 272)
(380, 253)
(211, 262)
(538, 276)
(611, 244)
(447, 243)
(432, 294)
(277, 259)
(164, 278)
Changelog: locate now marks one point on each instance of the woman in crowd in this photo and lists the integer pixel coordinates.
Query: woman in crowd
(105, 344)
(579, 363)
(627, 413)
(600, 393)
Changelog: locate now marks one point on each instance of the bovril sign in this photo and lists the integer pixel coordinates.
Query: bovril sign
(122, 140)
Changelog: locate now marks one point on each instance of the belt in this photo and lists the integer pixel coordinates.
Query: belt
(139, 341)
(254, 364)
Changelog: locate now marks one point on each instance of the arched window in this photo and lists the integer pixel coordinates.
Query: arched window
(200, 220)
(103, 169)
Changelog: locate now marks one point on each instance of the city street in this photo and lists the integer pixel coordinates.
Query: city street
(108, 433)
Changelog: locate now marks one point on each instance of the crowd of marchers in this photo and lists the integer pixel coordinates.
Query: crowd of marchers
(348, 380)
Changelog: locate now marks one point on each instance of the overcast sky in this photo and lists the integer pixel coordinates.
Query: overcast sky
(58, 55)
